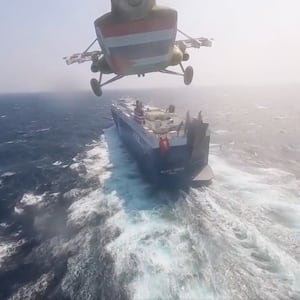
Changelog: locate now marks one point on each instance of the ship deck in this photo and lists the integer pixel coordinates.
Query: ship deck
(155, 121)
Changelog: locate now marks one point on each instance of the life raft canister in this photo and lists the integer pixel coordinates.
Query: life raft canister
(164, 144)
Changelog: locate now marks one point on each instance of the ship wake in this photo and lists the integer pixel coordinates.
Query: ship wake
(238, 238)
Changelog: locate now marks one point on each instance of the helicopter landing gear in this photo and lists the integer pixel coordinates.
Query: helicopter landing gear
(96, 87)
(188, 75)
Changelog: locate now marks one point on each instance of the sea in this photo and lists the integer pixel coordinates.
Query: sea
(78, 221)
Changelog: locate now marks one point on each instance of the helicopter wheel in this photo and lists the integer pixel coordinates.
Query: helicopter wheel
(188, 75)
(95, 85)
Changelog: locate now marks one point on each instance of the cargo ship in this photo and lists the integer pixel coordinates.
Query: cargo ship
(169, 149)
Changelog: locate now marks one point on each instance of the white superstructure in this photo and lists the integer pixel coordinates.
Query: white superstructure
(153, 123)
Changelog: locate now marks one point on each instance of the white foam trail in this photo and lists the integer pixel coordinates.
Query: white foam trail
(153, 249)
(18, 210)
(248, 248)
(156, 253)
(94, 205)
(238, 239)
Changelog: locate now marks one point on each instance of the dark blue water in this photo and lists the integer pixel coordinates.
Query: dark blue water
(38, 130)
(77, 221)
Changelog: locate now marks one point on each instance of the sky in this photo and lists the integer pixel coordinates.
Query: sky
(256, 42)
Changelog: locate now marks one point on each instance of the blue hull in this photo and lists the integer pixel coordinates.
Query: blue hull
(163, 169)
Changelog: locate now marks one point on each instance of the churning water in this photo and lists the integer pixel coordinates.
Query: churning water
(79, 222)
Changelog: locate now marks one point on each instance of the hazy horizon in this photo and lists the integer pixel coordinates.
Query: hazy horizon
(120, 88)
(255, 44)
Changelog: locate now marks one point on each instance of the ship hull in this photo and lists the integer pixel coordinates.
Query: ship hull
(177, 167)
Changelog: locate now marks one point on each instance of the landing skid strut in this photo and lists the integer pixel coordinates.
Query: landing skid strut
(187, 74)
(97, 85)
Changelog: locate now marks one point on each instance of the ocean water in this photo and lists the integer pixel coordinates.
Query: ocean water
(77, 221)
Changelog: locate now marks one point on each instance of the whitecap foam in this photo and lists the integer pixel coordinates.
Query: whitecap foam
(43, 130)
(8, 174)
(35, 290)
(5, 250)
(75, 166)
(91, 207)
(90, 203)
(4, 225)
(31, 199)
(57, 163)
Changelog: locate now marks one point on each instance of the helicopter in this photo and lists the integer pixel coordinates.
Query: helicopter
(137, 37)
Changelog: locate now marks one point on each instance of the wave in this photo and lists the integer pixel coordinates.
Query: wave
(237, 239)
